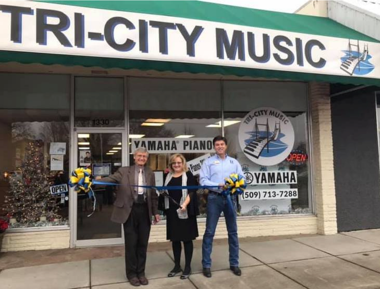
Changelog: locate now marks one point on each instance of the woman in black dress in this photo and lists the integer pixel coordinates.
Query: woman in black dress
(181, 203)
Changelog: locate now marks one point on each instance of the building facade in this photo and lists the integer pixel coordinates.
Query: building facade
(169, 80)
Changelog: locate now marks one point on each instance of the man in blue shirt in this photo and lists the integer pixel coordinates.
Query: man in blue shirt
(213, 173)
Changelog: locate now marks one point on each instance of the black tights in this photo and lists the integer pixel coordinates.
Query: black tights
(188, 245)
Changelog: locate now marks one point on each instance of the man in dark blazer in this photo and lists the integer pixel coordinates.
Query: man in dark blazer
(134, 207)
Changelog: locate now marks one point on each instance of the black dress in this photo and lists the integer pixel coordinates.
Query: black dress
(182, 229)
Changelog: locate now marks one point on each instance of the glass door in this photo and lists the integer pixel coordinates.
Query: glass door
(103, 152)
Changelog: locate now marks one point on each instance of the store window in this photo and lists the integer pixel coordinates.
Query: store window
(170, 115)
(163, 109)
(34, 156)
(99, 102)
(281, 186)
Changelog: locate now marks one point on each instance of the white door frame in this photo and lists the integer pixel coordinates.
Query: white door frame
(73, 200)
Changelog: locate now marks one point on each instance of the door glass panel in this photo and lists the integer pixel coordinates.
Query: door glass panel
(102, 153)
(99, 102)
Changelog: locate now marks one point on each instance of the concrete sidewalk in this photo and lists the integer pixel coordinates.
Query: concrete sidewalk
(349, 260)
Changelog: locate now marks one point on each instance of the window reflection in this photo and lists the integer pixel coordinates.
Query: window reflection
(34, 115)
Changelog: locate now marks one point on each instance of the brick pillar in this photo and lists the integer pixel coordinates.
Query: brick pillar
(322, 158)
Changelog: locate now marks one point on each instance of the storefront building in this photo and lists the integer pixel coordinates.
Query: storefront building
(83, 84)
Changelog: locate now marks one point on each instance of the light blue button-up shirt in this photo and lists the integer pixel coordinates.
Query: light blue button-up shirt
(215, 169)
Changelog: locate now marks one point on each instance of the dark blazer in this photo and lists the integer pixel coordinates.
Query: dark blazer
(125, 176)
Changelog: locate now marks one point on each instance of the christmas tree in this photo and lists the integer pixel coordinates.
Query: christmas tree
(29, 198)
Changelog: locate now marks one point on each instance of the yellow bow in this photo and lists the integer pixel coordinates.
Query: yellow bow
(81, 179)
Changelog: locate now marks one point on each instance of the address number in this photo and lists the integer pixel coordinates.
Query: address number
(100, 122)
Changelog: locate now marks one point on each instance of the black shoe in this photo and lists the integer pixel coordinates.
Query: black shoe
(143, 280)
(186, 273)
(134, 281)
(207, 272)
(175, 271)
(236, 270)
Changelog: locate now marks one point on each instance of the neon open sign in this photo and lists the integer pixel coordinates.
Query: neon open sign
(297, 158)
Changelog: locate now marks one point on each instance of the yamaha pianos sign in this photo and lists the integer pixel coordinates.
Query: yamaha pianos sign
(266, 136)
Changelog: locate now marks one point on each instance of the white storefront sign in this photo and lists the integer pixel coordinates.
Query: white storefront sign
(59, 189)
(56, 162)
(269, 194)
(266, 136)
(174, 145)
(270, 177)
(70, 30)
(196, 164)
(259, 199)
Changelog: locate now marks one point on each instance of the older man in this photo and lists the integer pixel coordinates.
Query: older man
(134, 208)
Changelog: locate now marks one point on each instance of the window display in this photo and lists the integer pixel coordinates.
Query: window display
(269, 141)
(35, 135)
(265, 124)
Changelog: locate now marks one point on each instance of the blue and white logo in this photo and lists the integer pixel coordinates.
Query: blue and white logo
(266, 136)
(356, 59)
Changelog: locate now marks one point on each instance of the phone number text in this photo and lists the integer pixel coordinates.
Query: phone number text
(270, 194)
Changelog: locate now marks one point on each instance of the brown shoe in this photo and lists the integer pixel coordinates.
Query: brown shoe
(134, 281)
(143, 280)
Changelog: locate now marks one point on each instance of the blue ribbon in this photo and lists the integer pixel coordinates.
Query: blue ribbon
(226, 193)
(91, 194)
(171, 188)
(105, 183)
(159, 188)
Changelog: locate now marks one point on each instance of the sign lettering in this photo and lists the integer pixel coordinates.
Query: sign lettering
(271, 177)
(173, 145)
(59, 189)
(70, 30)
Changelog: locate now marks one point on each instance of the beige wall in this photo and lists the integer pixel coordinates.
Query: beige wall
(314, 8)
(253, 227)
(36, 240)
(323, 159)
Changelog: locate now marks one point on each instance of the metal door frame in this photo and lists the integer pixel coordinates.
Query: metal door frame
(74, 200)
(74, 131)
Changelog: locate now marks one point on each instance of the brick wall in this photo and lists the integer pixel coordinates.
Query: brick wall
(253, 227)
(248, 227)
(322, 158)
(36, 240)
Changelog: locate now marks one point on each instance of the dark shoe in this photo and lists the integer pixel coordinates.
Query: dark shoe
(236, 270)
(143, 280)
(207, 272)
(186, 273)
(175, 271)
(134, 281)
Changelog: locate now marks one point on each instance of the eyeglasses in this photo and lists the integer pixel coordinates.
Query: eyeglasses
(177, 163)
(141, 156)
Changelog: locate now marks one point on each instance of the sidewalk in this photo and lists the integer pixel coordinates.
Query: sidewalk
(348, 260)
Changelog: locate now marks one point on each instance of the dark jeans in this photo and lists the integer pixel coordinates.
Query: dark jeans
(136, 235)
(216, 204)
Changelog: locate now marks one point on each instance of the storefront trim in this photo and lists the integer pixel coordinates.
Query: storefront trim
(317, 50)
(37, 229)
(161, 66)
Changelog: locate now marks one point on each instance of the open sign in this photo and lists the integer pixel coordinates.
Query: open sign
(297, 157)
(59, 189)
